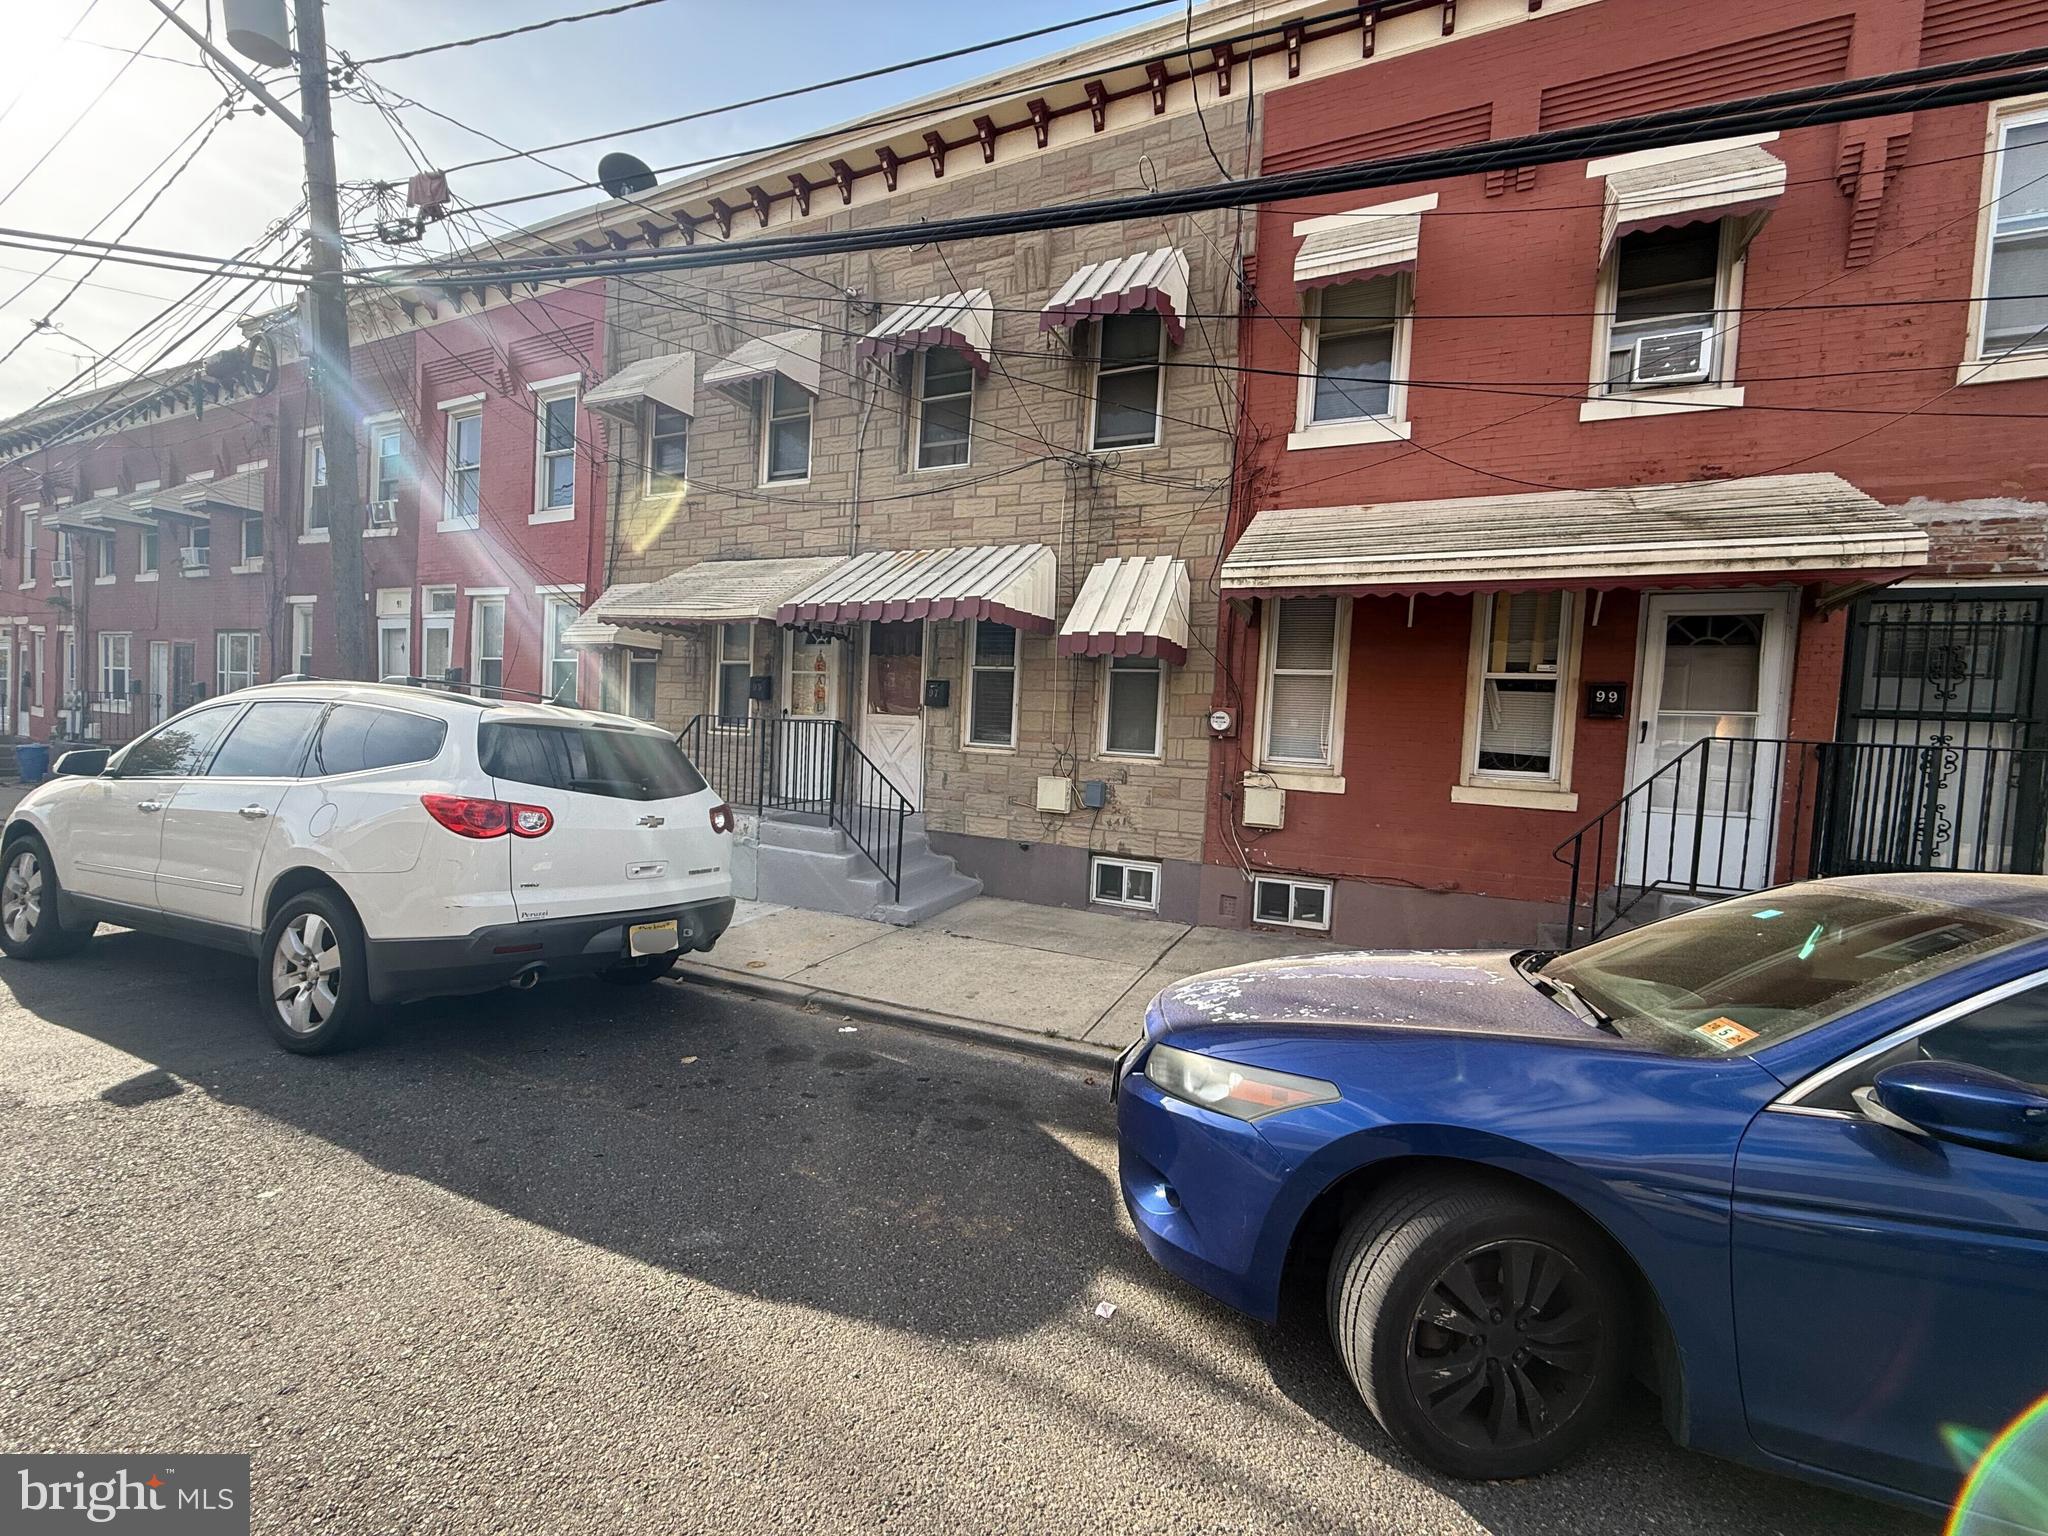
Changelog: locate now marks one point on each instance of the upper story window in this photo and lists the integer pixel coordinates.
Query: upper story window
(786, 432)
(668, 445)
(252, 540)
(316, 480)
(555, 488)
(1353, 333)
(151, 557)
(1665, 291)
(28, 549)
(464, 504)
(2016, 241)
(1129, 352)
(103, 557)
(387, 467)
(945, 408)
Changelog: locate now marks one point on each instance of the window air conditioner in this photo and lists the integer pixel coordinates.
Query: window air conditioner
(190, 559)
(60, 570)
(383, 514)
(1672, 357)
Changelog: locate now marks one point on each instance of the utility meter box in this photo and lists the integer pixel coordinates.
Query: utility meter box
(1265, 807)
(1055, 794)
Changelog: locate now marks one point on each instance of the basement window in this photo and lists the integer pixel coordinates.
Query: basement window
(1283, 903)
(1124, 883)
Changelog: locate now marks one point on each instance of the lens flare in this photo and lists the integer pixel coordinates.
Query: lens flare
(656, 513)
(2007, 1489)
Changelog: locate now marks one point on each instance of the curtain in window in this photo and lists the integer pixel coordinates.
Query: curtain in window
(1302, 690)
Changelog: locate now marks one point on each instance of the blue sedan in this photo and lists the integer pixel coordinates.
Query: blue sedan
(1786, 1157)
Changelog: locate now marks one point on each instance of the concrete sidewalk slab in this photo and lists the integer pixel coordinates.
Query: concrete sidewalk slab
(1197, 950)
(778, 942)
(1127, 939)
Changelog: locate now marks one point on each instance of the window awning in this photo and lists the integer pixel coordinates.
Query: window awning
(1008, 583)
(793, 354)
(1365, 246)
(1155, 280)
(1716, 532)
(711, 592)
(80, 517)
(669, 380)
(962, 321)
(594, 629)
(168, 505)
(241, 492)
(1130, 607)
(1695, 190)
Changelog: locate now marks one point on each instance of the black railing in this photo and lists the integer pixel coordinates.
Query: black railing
(1729, 814)
(804, 767)
(111, 719)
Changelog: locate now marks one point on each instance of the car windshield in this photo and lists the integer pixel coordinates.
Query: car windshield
(1743, 974)
(589, 760)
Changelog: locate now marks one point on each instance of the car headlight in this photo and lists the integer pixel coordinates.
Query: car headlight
(1231, 1087)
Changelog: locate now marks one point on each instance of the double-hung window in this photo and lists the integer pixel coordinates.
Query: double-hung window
(115, 675)
(437, 632)
(668, 447)
(28, 549)
(1129, 374)
(559, 656)
(151, 558)
(316, 481)
(197, 555)
(992, 685)
(387, 466)
(1670, 288)
(1134, 703)
(945, 408)
(487, 641)
(1302, 653)
(641, 670)
(235, 659)
(103, 557)
(555, 488)
(2015, 314)
(252, 540)
(735, 668)
(1354, 329)
(463, 507)
(1522, 642)
(302, 639)
(786, 430)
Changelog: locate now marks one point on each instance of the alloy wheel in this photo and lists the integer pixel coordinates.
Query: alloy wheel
(305, 973)
(1505, 1346)
(21, 895)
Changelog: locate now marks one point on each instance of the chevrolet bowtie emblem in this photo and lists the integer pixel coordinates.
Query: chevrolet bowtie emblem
(652, 821)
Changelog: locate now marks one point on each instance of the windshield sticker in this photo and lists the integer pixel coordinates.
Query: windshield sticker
(1726, 1033)
(1768, 913)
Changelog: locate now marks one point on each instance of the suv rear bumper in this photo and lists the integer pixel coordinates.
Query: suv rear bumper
(402, 970)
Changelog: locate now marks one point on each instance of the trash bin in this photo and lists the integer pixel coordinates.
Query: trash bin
(33, 759)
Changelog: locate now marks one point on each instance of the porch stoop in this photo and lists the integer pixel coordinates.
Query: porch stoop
(805, 861)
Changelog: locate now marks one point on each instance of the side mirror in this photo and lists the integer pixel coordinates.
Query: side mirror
(84, 762)
(1971, 1106)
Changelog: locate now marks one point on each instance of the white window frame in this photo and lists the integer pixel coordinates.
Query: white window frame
(375, 430)
(1978, 366)
(479, 604)
(769, 416)
(436, 622)
(922, 399)
(1341, 431)
(1109, 671)
(720, 661)
(1125, 902)
(39, 664)
(549, 392)
(249, 562)
(452, 519)
(223, 657)
(655, 482)
(105, 555)
(629, 668)
(1293, 884)
(1296, 773)
(149, 555)
(111, 697)
(67, 682)
(313, 473)
(198, 535)
(554, 654)
(1505, 787)
(302, 635)
(28, 547)
(1095, 387)
(1606, 402)
(66, 557)
(972, 665)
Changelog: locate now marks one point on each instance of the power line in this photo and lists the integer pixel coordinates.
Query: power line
(492, 37)
(69, 33)
(84, 112)
(78, 244)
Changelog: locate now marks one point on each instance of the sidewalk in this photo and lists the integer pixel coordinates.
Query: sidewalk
(1074, 983)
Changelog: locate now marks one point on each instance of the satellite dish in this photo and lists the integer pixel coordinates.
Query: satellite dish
(624, 175)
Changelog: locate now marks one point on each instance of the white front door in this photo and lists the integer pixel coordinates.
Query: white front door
(1715, 667)
(159, 681)
(24, 683)
(892, 717)
(394, 647)
(810, 703)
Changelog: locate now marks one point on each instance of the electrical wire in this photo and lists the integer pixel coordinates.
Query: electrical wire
(492, 37)
(86, 111)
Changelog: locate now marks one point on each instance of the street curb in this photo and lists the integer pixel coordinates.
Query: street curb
(1076, 1053)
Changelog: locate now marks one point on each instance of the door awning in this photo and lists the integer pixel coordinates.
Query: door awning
(669, 380)
(594, 629)
(1367, 245)
(713, 592)
(241, 492)
(1007, 583)
(1696, 190)
(1130, 607)
(962, 321)
(1156, 280)
(793, 354)
(1714, 532)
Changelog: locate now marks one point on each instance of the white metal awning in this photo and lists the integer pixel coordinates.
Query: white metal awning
(168, 505)
(1130, 607)
(1716, 532)
(1695, 190)
(1007, 583)
(593, 629)
(80, 517)
(713, 592)
(1156, 280)
(241, 493)
(1360, 245)
(962, 321)
(793, 354)
(669, 380)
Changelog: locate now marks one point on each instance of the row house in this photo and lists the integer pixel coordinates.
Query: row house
(1655, 524)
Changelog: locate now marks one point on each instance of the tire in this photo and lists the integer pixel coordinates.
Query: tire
(31, 923)
(1473, 1389)
(638, 973)
(312, 975)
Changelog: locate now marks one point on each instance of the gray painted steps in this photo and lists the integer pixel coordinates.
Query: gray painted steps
(807, 862)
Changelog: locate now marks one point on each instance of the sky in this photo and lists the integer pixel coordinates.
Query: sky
(133, 110)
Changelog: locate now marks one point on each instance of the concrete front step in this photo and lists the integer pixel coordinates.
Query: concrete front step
(802, 862)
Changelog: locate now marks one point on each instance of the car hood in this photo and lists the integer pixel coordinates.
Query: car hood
(1467, 991)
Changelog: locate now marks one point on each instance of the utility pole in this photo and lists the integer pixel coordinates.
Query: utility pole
(325, 313)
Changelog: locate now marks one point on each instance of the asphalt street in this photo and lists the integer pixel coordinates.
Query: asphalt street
(595, 1260)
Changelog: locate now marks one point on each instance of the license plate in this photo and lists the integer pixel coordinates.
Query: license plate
(652, 938)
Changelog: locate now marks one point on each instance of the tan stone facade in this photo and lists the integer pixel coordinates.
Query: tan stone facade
(1031, 477)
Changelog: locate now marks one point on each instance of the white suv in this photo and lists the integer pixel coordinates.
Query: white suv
(373, 843)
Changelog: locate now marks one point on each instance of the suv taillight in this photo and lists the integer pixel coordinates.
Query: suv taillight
(466, 816)
(721, 818)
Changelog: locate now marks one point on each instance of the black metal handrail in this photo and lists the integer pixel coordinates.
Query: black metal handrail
(805, 767)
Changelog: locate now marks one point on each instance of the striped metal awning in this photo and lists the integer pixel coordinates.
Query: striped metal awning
(1701, 533)
(1696, 190)
(793, 354)
(595, 627)
(1156, 280)
(962, 321)
(1358, 245)
(1007, 583)
(669, 380)
(712, 592)
(1130, 606)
